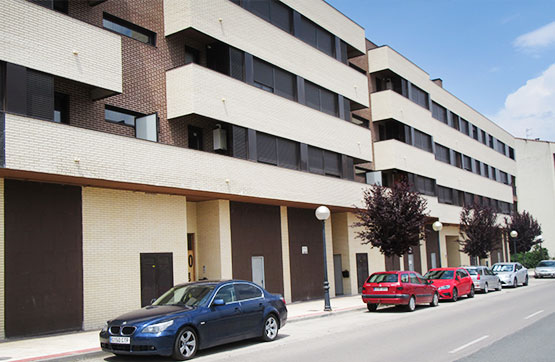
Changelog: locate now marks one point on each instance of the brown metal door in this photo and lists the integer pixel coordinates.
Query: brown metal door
(362, 269)
(156, 275)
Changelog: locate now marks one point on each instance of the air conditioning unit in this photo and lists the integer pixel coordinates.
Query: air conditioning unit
(219, 138)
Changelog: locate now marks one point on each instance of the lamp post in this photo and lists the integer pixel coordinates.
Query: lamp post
(437, 226)
(322, 214)
(513, 234)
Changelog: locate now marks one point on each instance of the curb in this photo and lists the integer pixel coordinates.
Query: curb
(323, 314)
(58, 355)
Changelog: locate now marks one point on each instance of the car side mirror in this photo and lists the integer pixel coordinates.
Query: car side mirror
(218, 302)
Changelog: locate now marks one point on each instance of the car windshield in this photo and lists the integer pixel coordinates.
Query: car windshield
(190, 295)
(547, 263)
(472, 271)
(383, 278)
(503, 268)
(440, 274)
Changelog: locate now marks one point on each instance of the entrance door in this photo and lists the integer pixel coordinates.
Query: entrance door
(191, 256)
(362, 269)
(156, 275)
(337, 267)
(257, 263)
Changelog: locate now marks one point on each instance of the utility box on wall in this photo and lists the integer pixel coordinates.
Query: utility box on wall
(219, 139)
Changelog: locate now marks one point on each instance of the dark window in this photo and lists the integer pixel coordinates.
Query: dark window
(281, 15)
(40, 94)
(493, 174)
(285, 84)
(126, 28)
(503, 177)
(477, 167)
(464, 126)
(504, 207)
(500, 147)
(61, 108)
(418, 96)
(422, 140)
(227, 293)
(315, 160)
(332, 163)
(491, 141)
(192, 55)
(195, 138)
(61, 6)
(511, 153)
(468, 199)
(236, 64)
(247, 291)
(442, 153)
(467, 163)
(445, 195)
(312, 95)
(458, 159)
(266, 148)
(455, 121)
(475, 132)
(347, 109)
(308, 32)
(486, 170)
(326, 41)
(343, 47)
(120, 115)
(424, 185)
(239, 142)
(288, 154)
(2, 83)
(320, 98)
(439, 112)
(263, 75)
(260, 8)
(273, 79)
(484, 137)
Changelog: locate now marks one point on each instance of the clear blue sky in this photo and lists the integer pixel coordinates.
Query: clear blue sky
(484, 50)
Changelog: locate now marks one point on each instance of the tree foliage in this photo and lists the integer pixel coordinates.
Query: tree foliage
(527, 228)
(392, 219)
(531, 258)
(479, 232)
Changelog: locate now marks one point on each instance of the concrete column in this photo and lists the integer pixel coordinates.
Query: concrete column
(443, 249)
(214, 239)
(285, 254)
(329, 255)
(423, 256)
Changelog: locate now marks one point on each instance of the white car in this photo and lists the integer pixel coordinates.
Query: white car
(511, 274)
(483, 278)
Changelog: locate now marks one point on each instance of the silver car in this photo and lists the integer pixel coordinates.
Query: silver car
(483, 278)
(511, 274)
(545, 268)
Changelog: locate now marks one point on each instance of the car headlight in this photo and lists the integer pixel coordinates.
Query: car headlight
(158, 327)
(444, 287)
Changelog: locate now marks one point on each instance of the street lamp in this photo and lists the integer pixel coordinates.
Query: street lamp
(437, 226)
(322, 214)
(513, 234)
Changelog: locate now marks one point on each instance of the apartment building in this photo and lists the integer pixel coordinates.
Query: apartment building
(452, 154)
(536, 184)
(151, 142)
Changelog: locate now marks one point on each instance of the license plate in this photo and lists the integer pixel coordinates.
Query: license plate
(120, 340)
(380, 289)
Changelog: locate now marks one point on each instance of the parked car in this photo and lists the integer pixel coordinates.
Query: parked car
(194, 316)
(399, 288)
(511, 274)
(483, 278)
(451, 282)
(545, 268)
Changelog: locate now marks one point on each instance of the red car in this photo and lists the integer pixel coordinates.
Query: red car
(400, 288)
(451, 282)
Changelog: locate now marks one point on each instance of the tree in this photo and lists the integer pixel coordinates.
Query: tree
(392, 219)
(531, 258)
(527, 228)
(479, 232)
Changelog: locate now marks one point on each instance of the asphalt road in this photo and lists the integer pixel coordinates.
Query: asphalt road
(511, 325)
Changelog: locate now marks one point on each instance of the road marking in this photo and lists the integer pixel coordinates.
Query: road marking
(469, 344)
(534, 314)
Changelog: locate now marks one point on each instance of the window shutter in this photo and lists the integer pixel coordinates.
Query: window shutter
(266, 148)
(315, 160)
(332, 163)
(263, 73)
(40, 95)
(312, 95)
(288, 154)
(285, 85)
(236, 60)
(239, 141)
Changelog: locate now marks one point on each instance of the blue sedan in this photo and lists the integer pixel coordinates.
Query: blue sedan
(195, 316)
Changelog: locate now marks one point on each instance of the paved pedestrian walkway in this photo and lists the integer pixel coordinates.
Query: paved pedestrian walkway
(62, 345)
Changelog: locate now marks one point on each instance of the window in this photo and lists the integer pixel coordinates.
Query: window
(491, 141)
(2, 83)
(442, 153)
(418, 96)
(227, 293)
(192, 55)
(503, 177)
(61, 108)
(266, 148)
(263, 75)
(315, 160)
(477, 167)
(493, 174)
(236, 64)
(320, 98)
(332, 163)
(511, 153)
(120, 115)
(422, 140)
(273, 79)
(500, 147)
(288, 154)
(484, 137)
(486, 170)
(458, 159)
(128, 29)
(475, 132)
(247, 291)
(455, 121)
(467, 163)
(445, 195)
(424, 185)
(439, 112)
(317, 36)
(464, 126)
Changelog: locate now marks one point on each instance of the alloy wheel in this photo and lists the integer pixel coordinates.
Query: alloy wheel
(270, 328)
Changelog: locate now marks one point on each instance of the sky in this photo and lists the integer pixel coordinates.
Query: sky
(497, 56)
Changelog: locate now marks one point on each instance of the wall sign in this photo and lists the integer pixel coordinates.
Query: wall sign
(304, 250)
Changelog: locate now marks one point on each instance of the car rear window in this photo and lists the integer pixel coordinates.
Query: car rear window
(440, 274)
(546, 263)
(472, 271)
(382, 278)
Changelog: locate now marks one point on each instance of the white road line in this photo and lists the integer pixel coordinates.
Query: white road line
(534, 314)
(469, 344)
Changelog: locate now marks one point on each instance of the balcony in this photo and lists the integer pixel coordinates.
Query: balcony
(193, 89)
(38, 38)
(71, 154)
(225, 21)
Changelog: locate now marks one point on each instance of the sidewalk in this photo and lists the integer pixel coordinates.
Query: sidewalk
(63, 345)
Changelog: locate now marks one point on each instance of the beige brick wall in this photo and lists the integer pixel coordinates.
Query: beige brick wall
(254, 35)
(2, 262)
(117, 227)
(42, 39)
(195, 89)
(214, 240)
(48, 147)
